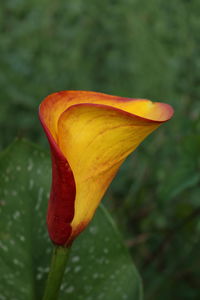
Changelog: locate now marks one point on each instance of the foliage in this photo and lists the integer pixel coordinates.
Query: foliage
(134, 48)
(100, 266)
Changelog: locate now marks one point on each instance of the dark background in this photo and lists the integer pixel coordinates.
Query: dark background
(129, 48)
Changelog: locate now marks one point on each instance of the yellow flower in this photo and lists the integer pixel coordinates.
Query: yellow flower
(90, 135)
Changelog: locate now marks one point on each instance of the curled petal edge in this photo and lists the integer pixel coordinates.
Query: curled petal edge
(62, 197)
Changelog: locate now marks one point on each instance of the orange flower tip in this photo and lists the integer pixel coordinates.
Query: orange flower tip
(165, 112)
(90, 134)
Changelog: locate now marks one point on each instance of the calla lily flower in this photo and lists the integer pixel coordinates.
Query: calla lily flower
(90, 135)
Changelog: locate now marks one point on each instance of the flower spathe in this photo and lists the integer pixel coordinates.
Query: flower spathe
(90, 135)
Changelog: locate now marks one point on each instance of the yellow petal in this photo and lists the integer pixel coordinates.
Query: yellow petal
(95, 132)
(96, 139)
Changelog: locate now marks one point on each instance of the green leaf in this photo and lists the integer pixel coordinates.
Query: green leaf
(99, 267)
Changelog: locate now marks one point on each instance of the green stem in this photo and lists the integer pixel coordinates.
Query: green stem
(57, 268)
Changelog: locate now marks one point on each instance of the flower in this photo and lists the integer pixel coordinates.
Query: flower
(90, 135)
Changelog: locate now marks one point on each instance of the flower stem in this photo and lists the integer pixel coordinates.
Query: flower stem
(57, 268)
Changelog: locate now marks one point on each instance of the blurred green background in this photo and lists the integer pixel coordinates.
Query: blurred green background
(131, 48)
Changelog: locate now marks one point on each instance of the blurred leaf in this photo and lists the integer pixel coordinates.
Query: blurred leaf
(100, 266)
